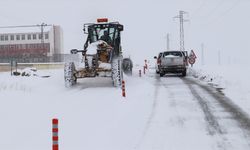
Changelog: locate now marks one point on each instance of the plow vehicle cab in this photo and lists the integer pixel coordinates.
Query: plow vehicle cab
(102, 54)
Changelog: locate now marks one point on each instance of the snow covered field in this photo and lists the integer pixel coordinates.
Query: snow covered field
(93, 115)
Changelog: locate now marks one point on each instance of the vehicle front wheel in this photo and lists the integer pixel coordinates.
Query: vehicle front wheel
(184, 73)
(117, 73)
(69, 77)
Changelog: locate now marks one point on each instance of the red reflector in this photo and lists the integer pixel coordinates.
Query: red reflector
(55, 138)
(102, 20)
(55, 121)
(55, 147)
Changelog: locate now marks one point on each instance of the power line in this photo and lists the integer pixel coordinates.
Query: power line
(219, 4)
(218, 18)
(235, 4)
(199, 8)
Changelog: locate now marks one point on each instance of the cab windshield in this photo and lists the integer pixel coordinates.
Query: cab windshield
(105, 34)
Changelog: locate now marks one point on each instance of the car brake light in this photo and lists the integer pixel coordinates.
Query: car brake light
(158, 61)
(185, 61)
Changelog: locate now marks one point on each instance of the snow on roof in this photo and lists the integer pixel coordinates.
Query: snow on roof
(24, 30)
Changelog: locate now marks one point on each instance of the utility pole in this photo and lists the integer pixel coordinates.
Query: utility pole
(182, 20)
(219, 58)
(42, 31)
(168, 45)
(202, 54)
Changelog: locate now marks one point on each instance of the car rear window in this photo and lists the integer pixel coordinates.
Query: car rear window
(173, 54)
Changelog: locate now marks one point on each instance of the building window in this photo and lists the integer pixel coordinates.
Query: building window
(11, 37)
(34, 36)
(40, 36)
(23, 36)
(2, 38)
(6, 37)
(17, 37)
(46, 36)
(29, 36)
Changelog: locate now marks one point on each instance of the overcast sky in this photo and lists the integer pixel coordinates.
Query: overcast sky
(222, 25)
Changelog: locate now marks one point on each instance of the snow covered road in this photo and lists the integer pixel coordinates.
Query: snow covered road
(168, 113)
(193, 116)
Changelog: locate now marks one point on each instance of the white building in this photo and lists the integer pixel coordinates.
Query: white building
(28, 44)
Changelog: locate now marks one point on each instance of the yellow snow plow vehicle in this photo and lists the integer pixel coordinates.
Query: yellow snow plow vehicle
(102, 54)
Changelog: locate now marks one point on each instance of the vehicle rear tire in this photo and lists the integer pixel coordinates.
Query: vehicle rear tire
(161, 74)
(184, 73)
(69, 74)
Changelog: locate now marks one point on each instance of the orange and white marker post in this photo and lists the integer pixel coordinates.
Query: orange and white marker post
(123, 89)
(55, 145)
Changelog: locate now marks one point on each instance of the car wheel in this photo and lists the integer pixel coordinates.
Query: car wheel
(184, 73)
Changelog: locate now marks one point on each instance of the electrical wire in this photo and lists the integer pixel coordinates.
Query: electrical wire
(199, 8)
(212, 12)
(224, 13)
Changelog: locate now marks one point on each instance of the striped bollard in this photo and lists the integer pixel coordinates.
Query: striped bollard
(123, 89)
(55, 145)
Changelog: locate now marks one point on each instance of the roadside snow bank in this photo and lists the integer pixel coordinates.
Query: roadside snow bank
(233, 80)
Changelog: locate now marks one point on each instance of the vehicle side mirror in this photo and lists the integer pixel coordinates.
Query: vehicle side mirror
(85, 31)
(120, 27)
(155, 57)
(73, 51)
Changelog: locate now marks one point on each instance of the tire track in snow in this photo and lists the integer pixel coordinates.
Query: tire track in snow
(172, 95)
(216, 120)
(241, 118)
(213, 125)
(152, 114)
(157, 82)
